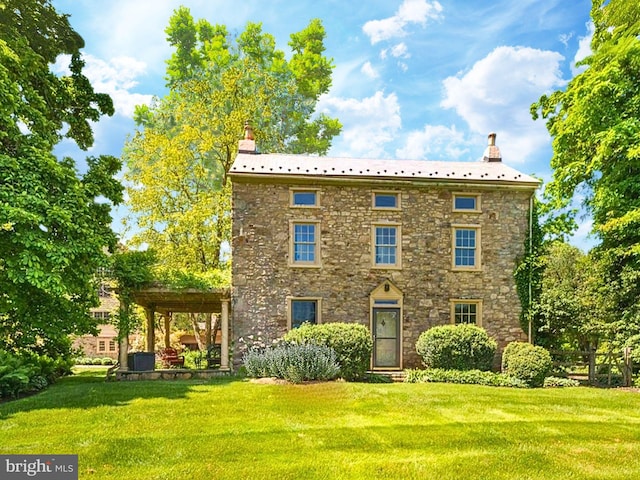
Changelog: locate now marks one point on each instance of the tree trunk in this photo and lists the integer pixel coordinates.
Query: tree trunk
(196, 330)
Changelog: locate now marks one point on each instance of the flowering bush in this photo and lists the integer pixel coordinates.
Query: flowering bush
(293, 362)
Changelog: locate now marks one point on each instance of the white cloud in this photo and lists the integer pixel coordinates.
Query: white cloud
(565, 37)
(370, 123)
(496, 94)
(584, 50)
(411, 11)
(114, 77)
(368, 70)
(403, 66)
(400, 51)
(434, 142)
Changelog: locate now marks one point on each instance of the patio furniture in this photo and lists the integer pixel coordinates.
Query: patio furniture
(170, 358)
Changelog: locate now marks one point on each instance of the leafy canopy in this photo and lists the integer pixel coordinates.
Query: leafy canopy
(595, 125)
(54, 223)
(186, 142)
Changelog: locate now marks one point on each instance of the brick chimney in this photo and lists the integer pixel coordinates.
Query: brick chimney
(492, 152)
(247, 144)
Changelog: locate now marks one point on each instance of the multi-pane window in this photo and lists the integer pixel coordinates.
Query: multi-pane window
(102, 316)
(102, 346)
(466, 243)
(466, 203)
(386, 245)
(304, 198)
(386, 200)
(112, 345)
(466, 311)
(305, 243)
(303, 311)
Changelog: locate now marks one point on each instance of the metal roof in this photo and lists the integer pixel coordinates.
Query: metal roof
(328, 167)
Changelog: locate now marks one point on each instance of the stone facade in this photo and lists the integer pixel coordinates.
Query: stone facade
(345, 278)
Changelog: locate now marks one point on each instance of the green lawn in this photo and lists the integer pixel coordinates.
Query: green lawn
(236, 429)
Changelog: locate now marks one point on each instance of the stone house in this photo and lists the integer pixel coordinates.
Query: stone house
(398, 246)
(105, 344)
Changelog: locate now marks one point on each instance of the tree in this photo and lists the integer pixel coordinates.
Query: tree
(595, 125)
(572, 310)
(54, 223)
(179, 157)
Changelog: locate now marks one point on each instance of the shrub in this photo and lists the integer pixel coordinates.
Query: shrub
(27, 372)
(527, 362)
(557, 382)
(475, 377)
(96, 361)
(108, 361)
(351, 342)
(456, 347)
(292, 362)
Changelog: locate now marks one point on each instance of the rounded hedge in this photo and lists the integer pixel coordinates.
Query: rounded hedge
(456, 347)
(351, 342)
(527, 362)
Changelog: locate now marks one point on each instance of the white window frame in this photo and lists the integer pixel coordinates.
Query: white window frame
(387, 266)
(468, 301)
(478, 248)
(304, 264)
(477, 197)
(293, 191)
(386, 192)
(290, 301)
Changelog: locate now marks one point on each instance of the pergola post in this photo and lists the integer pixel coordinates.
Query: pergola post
(224, 327)
(151, 329)
(123, 353)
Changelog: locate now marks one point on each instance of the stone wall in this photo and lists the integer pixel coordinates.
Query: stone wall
(263, 279)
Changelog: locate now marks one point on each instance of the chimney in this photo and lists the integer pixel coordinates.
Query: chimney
(492, 152)
(248, 144)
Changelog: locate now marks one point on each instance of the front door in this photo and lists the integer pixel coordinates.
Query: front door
(386, 337)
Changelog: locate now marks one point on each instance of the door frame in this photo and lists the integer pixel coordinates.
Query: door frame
(387, 295)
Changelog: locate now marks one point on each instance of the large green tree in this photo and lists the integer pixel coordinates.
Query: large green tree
(186, 142)
(595, 125)
(54, 223)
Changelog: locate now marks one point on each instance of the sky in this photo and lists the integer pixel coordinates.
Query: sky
(413, 79)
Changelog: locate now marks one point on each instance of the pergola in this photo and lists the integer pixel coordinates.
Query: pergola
(166, 301)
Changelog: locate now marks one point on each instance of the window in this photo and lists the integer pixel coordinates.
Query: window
(304, 244)
(304, 198)
(466, 247)
(466, 311)
(104, 290)
(303, 310)
(386, 200)
(102, 316)
(102, 346)
(466, 202)
(386, 244)
(112, 346)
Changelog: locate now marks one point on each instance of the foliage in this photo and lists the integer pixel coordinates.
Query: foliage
(559, 382)
(352, 343)
(573, 310)
(29, 372)
(474, 377)
(54, 223)
(179, 158)
(293, 362)
(456, 347)
(182, 279)
(595, 125)
(95, 361)
(531, 364)
(131, 271)
(528, 272)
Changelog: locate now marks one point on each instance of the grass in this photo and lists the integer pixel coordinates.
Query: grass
(229, 428)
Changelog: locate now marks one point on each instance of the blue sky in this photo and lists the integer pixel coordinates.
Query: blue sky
(415, 79)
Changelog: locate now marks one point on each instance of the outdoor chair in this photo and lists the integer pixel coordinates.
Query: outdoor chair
(170, 358)
(214, 354)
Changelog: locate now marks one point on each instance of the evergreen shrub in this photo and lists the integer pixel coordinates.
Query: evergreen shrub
(456, 347)
(527, 362)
